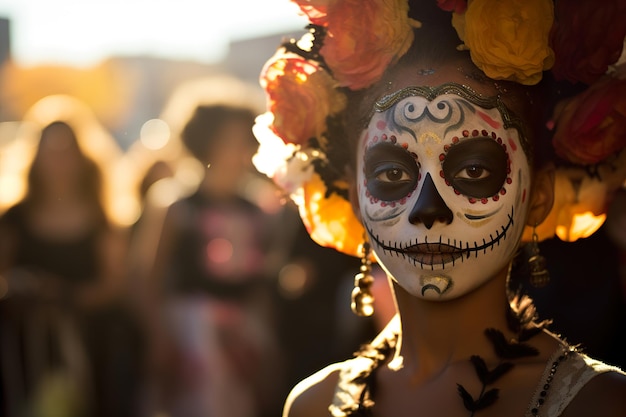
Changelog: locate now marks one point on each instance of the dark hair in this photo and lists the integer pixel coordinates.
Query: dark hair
(201, 132)
(90, 179)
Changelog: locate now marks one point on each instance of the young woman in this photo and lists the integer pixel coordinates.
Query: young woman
(213, 331)
(63, 318)
(444, 156)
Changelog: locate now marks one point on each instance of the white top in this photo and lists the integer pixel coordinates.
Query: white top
(565, 375)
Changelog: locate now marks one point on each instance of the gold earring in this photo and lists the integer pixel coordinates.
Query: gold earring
(362, 299)
(539, 275)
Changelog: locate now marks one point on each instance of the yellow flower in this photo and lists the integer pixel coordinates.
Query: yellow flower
(458, 23)
(509, 40)
(330, 221)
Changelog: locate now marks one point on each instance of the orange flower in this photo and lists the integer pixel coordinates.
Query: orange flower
(363, 37)
(592, 125)
(508, 40)
(301, 97)
(587, 38)
(331, 221)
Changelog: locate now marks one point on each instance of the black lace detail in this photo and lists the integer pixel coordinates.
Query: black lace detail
(313, 54)
(333, 142)
(337, 155)
(355, 392)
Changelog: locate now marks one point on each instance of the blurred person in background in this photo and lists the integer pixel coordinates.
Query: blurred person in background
(66, 338)
(213, 327)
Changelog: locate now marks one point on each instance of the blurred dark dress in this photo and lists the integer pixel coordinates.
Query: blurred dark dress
(218, 310)
(46, 339)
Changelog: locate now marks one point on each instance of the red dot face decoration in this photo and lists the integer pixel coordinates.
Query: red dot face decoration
(442, 190)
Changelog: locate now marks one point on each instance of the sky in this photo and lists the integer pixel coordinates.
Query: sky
(84, 32)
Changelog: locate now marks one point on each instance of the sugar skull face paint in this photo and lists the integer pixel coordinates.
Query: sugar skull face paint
(443, 184)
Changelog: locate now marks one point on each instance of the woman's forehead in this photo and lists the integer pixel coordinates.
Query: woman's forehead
(427, 73)
(450, 106)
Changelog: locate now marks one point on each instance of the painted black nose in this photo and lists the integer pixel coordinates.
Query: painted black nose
(430, 207)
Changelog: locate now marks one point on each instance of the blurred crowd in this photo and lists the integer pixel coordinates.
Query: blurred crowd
(171, 279)
(165, 279)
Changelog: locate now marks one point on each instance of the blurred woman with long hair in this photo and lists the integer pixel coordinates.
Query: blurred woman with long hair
(62, 262)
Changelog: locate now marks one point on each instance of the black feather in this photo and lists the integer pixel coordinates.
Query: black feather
(487, 399)
(509, 350)
(468, 400)
(487, 376)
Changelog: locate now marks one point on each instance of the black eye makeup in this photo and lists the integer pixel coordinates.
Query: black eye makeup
(391, 172)
(477, 168)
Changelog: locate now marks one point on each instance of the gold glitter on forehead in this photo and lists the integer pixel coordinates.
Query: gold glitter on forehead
(430, 93)
(429, 136)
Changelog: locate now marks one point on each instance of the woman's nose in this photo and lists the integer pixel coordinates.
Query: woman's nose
(430, 207)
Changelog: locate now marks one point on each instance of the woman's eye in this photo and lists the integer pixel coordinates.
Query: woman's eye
(477, 167)
(474, 172)
(391, 172)
(393, 175)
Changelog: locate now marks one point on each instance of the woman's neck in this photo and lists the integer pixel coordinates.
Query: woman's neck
(436, 334)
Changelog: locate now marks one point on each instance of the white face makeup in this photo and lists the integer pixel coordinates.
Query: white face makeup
(443, 185)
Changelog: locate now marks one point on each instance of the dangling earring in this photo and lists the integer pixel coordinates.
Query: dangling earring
(362, 299)
(539, 275)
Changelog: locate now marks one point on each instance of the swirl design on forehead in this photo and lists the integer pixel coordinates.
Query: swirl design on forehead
(509, 118)
(407, 116)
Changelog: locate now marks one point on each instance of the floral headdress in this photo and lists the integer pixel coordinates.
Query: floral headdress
(350, 44)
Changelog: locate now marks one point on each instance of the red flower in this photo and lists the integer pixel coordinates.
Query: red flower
(456, 6)
(587, 37)
(592, 125)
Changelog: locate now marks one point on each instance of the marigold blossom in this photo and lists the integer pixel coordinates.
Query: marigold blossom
(509, 40)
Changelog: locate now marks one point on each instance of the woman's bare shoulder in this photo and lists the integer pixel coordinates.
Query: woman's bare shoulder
(312, 396)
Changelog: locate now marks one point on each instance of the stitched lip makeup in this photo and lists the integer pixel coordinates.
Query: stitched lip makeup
(439, 254)
(433, 253)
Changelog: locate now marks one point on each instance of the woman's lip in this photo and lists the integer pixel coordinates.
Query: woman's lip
(433, 253)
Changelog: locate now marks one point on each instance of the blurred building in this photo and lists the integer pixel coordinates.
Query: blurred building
(5, 53)
(124, 92)
(5, 40)
(246, 58)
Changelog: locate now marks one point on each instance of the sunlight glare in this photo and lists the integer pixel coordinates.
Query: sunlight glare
(13, 188)
(155, 134)
(583, 225)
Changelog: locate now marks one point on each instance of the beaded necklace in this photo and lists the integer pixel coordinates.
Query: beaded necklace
(541, 396)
